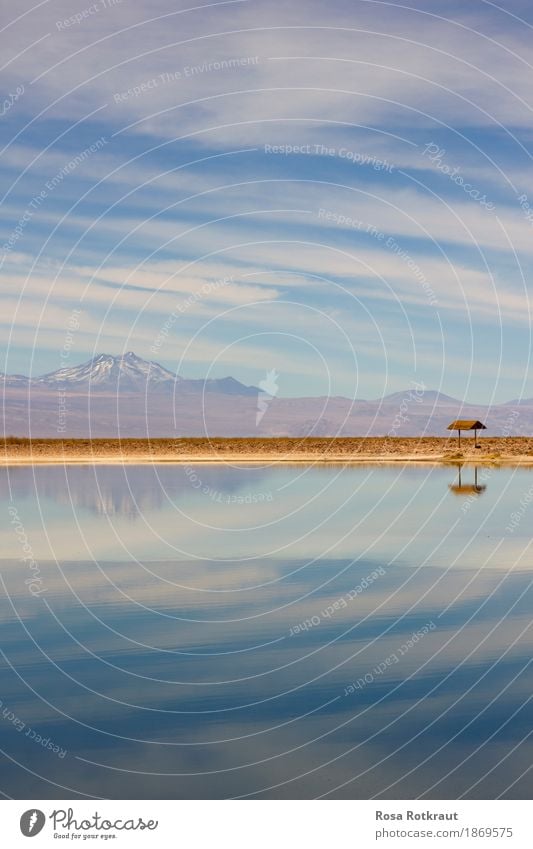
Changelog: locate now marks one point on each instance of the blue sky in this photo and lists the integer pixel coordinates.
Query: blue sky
(338, 192)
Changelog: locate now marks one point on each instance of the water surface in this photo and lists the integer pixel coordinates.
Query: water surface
(278, 632)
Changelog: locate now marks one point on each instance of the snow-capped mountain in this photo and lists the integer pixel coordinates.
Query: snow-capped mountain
(124, 372)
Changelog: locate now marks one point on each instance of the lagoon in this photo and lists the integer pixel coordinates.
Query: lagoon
(266, 632)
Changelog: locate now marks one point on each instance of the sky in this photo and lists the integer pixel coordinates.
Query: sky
(340, 193)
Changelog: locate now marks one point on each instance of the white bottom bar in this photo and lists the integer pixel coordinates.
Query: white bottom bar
(266, 824)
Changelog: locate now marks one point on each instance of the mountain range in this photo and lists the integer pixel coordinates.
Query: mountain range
(126, 373)
(128, 396)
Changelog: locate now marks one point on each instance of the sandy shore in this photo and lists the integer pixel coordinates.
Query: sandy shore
(345, 450)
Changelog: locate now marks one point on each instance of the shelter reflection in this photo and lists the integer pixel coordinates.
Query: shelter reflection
(460, 488)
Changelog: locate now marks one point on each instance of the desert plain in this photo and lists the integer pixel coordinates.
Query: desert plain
(345, 450)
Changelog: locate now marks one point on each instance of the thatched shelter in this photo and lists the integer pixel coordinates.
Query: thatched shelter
(467, 424)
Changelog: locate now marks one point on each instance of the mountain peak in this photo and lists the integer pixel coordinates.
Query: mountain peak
(422, 396)
(126, 371)
(130, 373)
(128, 356)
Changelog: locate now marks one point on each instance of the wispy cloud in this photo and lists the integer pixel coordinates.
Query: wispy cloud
(227, 130)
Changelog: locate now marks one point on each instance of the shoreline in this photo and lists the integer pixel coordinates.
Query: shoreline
(346, 451)
(364, 461)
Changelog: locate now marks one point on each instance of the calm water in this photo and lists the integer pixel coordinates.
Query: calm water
(209, 632)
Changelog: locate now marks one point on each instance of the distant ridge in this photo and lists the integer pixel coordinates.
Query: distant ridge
(428, 396)
(126, 372)
(127, 396)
